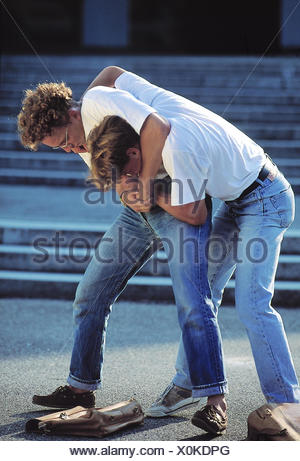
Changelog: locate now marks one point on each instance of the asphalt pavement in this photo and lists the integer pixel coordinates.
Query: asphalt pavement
(142, 341)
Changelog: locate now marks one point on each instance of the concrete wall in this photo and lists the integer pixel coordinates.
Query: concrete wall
(290, 23)
(105, 23)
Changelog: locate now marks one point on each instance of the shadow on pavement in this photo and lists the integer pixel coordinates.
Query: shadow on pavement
(200, 437)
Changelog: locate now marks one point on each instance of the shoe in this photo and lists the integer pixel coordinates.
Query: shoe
(269, 423)
(210, 420)
(63, 397)
(174, 398)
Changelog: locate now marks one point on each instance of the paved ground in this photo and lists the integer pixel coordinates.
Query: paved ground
(35, 345)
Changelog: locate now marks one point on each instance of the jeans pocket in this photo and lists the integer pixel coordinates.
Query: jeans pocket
(284, 204)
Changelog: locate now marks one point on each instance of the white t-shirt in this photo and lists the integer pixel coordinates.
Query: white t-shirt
(203, 152)
(101, 101)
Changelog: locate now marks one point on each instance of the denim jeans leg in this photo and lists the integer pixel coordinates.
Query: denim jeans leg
(262, 223)
(121, 252)
(250, 226)
(186, 248)
(221, 265)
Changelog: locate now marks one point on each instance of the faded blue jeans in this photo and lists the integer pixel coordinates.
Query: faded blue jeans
(125, 247)
(246, 237)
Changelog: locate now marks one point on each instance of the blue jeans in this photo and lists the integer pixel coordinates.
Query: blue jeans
(246, 237)
(127, 245)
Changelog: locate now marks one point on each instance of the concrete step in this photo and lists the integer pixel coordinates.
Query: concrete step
(73, 259)
(280, 148)
(59, 161)
(262, 130)
(44, 177)
(275, 147)
(285, 117)
(53, 160)
(283, 131)
(290, 167)
(257, 114)
(208, 80)
(249, 107)
(273, 63)
(13, 86)
(8, 123)
(263, 99)
(202, 97)
(68, 178)
(208, 98)
(85, 235)
(26, 232)
(63, 286)
(213, 77)
(13, 93)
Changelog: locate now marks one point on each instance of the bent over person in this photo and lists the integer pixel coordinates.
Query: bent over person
(104, 157)
(50, 116)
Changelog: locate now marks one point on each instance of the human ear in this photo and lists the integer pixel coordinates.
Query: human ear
(133, 152)
(74, 113)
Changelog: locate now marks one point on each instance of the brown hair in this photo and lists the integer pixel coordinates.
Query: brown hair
(107, 144)
(43, 109)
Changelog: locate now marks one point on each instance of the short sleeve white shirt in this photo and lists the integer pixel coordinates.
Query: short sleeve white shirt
(101, 101)
(203, 152)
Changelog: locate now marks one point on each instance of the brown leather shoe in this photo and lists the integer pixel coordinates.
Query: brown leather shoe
(269, 423)
(64, 397)
(210, 420)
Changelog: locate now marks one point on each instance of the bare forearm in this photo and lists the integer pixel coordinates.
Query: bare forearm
(192, 213)
(153, 137)
(106, 77)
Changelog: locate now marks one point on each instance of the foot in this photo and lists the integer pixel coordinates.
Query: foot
(219, 402)
(76, 390)
(174, 398)
(210, 419)
(64, 397)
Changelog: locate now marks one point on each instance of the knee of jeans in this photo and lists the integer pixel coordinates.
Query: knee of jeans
(253, 315)
(79, 309)
(90, 304)
(80, 304)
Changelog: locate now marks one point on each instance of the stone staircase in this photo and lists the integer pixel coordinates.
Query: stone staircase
(263, 100)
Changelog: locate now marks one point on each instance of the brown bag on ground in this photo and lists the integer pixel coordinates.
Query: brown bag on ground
(269, 423)
(89, 422)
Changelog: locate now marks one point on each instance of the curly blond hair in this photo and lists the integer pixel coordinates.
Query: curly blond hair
(107, 144)
(43, 109)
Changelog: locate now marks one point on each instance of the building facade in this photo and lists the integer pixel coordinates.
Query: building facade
(159, 26)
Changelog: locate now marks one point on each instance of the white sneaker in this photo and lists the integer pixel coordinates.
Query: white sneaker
(174, 398)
